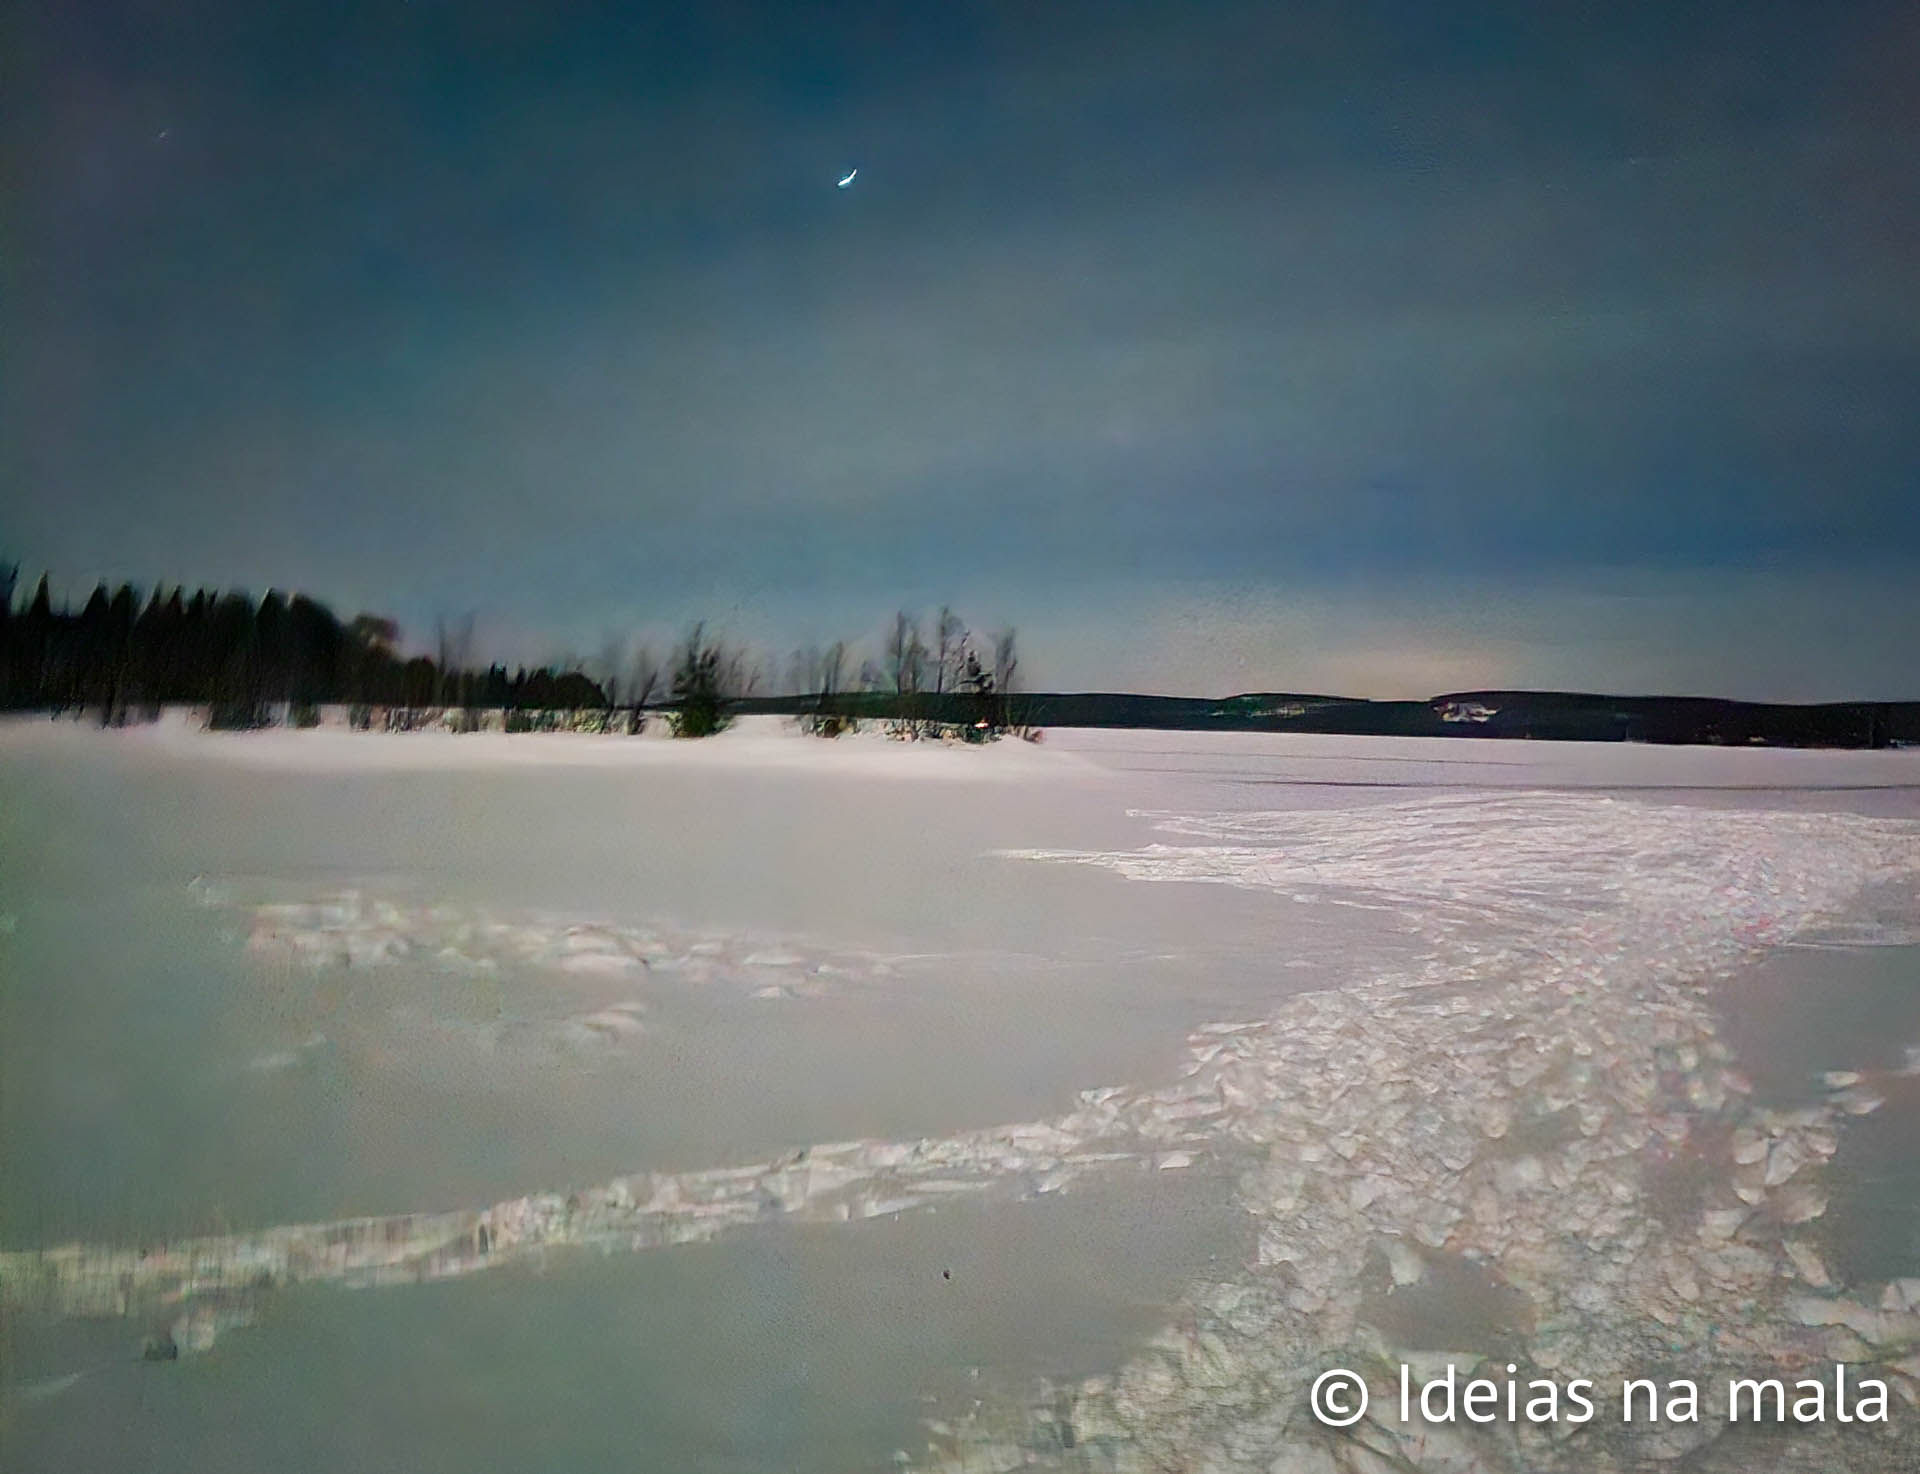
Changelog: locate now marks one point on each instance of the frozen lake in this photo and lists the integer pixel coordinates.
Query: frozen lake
(1138, 1062)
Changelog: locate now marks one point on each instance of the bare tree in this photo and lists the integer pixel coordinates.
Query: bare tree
(453, 649)
(1006, 660)
(833, 666)
(907, 665)
(906, 655)
(610, 667)
(1006, 674)
(949, 635)
(742, 673)
(803, 671)
(814, 674)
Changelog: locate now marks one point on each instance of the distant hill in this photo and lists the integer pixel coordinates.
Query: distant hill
(1566, 716)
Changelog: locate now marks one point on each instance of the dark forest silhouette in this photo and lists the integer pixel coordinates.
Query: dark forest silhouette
(122, 657)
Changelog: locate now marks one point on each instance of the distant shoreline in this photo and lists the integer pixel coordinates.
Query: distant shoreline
(1519, 715)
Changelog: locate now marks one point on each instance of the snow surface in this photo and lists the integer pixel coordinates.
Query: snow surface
(766, 742)
(1426, 1002)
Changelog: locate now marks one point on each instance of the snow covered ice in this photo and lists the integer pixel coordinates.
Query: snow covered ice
(1457, 1041)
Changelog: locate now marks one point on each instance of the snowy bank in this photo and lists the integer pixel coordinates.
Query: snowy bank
(758, 742)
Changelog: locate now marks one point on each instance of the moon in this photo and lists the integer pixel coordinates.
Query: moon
(848, 180)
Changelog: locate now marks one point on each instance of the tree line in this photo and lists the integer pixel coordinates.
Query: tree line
(252, 661)
(122, 657)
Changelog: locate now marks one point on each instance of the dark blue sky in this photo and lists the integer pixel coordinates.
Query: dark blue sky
(1380, 347)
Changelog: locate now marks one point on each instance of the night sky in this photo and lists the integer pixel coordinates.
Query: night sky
(1376, 348)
